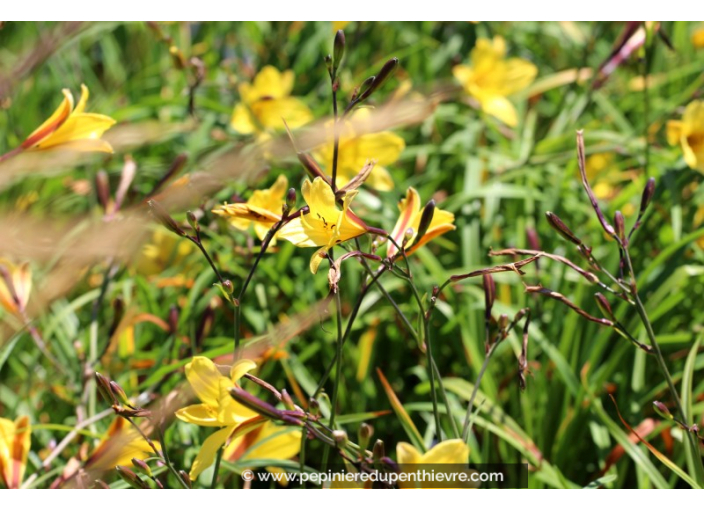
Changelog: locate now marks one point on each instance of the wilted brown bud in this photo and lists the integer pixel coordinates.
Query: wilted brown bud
(103, 385)
(562, 229)
(164, 218)
(338, 49)
(131, 477)
(648, 193)
(662, 410)
(142, 467)
(604, 306)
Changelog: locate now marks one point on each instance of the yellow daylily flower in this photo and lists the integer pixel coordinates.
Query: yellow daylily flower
(411, 211)
(263, 209)
(164, 250)
(355, 150)
(268, 441)
(121, 444)
(451, 451)
(71, 128)
(217, 407)
(491, 78)
(14, 300)
(324, 225)
(689, 133)
(15, 440)
(267, 103)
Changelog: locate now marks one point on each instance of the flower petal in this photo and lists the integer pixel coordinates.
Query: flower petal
(452, 451)
(406, 453)
(409, 208)
(52, 123)
(204, 377)
(199, 414)
(207, 453)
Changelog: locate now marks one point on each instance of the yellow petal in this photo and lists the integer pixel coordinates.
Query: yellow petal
(463, 74)
(82, 126)
(231, 412)
(271, 113)
(294, 233)
(519, 74)
(15, 441)
(269, 82)
(316, 259)
(199, 414)
(52, 123)
(81, 106)
(501, 108)
(409, 208)
(207, 453)
(274, 442)
(380, 179)
(240, 368)
(452, 451)
(407, 454)
(204, 378)
(674, 131)
(242, 120)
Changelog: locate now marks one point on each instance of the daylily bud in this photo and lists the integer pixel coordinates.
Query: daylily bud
(163, 217)
(340, 437)
(338, 49)
(178, 59)
(489, 293)
(604, 306)
(184, 476)
(364, 434)
(328, 63)
(364, 87)
(379, 451)
(291, 198)
(173, 319)
(562, 229)
(119, 393)
(648, 193)
(662, 410)
(131, 477)
(425, 219)
(229, 288)
(142, 467)
(381, 77)
(313, 406)
(252, 402)
(193, 221)
(620, 227)
(287, 400)
(102, 187)
(103, 385)
(407, 236)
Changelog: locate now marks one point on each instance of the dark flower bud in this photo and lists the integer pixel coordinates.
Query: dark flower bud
(604, 306)
(173, 319)
(338, 49)
(193, 221)
(132, 479)
(386, 70)
(228, 287)
(142, 467)
(662, 410)
(250, 401)
(291, 198)
(489, 293)
(103, 385)
(163, 217)
(184, 476)
(648, 193)
(620, 228)
(363, 90)
(119, 393)
(425, 219)
(562, 229)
